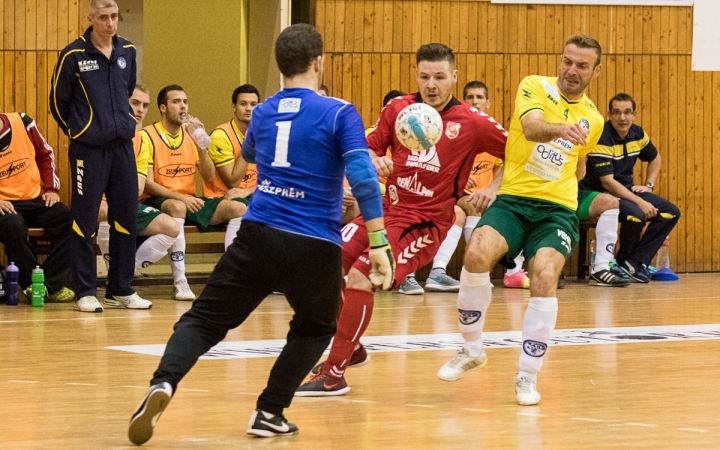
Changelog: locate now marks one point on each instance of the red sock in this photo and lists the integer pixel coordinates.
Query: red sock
(354, 319)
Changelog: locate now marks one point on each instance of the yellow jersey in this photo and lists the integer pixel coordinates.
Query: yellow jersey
(546, 170)
(225, 148)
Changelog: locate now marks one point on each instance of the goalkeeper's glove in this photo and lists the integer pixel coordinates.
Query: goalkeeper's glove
(382, 272)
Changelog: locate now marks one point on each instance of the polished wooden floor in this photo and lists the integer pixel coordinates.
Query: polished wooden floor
(60, 388)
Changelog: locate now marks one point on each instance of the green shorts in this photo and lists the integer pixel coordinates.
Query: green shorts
(529, 224)
(585, 199)
(146, 214)
(202, 218)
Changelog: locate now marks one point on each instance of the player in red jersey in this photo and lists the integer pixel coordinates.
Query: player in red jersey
(422, 188)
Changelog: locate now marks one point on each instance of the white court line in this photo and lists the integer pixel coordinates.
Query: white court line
(635, 424)
(531, 414)
(81, 384)
(694, 430)
(588, 420)
(364, 401)
(194, 390)
(422, 406)
(23, 381)
(136, 387)
(477, 410)
(247, 393)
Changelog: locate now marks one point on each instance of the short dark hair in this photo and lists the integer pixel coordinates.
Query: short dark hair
(296, 47)
(162, 97)
(621, 97)
(476, 85)
(245, 89)
(435, 52)
(584, 41)
(324, 88)
(391, 95)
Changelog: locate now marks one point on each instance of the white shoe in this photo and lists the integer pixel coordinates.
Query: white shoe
(148, 413)
(527, 394)
(138, 272)
(88, 303)
(461, 363)
(181, 291)
(133, 301)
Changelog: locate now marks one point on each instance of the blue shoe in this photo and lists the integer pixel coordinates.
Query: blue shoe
(635, 272)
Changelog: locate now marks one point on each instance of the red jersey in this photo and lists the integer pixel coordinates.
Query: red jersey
(427, 184)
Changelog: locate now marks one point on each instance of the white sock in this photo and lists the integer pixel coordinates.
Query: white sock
(473, 301)
(152, 250)
(470, 222)
(177, 253)
(103, 241)
(519, 260)
(231, 232)
(606, 236)
(447, 248)
(539, 322)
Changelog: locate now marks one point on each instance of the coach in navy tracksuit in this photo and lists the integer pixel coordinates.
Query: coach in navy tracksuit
(92, 82)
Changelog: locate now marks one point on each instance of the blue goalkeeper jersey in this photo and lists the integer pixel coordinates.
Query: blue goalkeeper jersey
(301, 143)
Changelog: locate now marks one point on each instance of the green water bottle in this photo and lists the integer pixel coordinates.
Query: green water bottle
(38, 287)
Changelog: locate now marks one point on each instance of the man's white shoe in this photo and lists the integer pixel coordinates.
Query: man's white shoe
(460, 364)
(88, 303)
(527, 394)
(133, 301)
(181, 291)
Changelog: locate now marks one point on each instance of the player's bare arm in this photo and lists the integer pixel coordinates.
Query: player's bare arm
(233, 173)
(383, 164)
(483, 198)
(536, 129)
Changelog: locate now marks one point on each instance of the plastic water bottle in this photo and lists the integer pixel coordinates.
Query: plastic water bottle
(2, 286)
(663, 255)
(12, 275)
(592, 256)
(197, 131)
(38, 287)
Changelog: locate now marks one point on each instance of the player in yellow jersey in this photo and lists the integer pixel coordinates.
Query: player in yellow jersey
(159, 229)
(234, 178)
(553, 128)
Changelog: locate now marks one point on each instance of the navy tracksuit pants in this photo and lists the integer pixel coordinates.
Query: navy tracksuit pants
(95, 170)
(642, 249)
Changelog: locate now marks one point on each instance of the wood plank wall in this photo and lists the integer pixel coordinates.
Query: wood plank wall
(370, 47)
(32, 33)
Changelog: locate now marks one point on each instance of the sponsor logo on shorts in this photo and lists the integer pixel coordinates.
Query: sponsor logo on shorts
(565, 240)
(267, 187)
(535, 349)
(177, 256)
(13, 168)
(413, 185)
(177, 170)
(468, 317)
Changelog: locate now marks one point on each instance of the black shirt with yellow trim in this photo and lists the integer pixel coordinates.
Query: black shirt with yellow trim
(616, 156)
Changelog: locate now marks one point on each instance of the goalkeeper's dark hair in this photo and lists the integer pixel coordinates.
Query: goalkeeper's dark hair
(296, 47)
(391, 95)
(435, 52)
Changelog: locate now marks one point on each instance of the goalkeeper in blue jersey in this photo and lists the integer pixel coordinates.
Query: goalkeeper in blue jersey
(303, 145)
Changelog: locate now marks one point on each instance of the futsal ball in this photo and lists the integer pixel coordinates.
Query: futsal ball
(418, 126)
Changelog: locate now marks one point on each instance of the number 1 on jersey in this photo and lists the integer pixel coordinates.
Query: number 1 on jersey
(281, 144)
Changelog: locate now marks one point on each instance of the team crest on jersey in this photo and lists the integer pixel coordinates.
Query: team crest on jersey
(289, 105)
(393, 194)
(452, 130)
(13, 168)
(585, 124)
(426, 159)
(122, 63)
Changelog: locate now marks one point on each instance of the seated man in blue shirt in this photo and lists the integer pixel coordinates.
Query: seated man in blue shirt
(610, 169)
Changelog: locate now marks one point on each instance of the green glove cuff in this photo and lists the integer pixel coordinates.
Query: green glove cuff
(378, 238)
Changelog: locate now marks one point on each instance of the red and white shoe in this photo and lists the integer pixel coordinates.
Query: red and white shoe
(518, 280)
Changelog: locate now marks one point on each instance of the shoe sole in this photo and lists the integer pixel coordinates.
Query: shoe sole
(342, 391)
(268, 433)
(603, 284)
(441, 288)
(141, 425)
(479, 366)
(317, 367)
(420, 292)
(99, 309)
(183, 299)
(633, 278)
(521, 403)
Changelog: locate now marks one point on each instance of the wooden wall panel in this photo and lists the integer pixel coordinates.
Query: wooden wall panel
(646, 53)
(32, 32)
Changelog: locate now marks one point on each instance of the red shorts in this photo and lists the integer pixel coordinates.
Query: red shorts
(414, 243)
